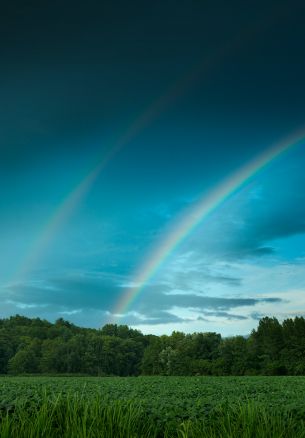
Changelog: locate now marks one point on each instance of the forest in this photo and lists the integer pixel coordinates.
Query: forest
(36, 346)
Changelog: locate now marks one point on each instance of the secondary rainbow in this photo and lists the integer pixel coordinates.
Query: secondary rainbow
(73, 198)
(65, 209)
(194, 216)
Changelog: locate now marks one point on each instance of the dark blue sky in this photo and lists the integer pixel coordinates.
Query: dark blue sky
(74, 78)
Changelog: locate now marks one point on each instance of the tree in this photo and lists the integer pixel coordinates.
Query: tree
(269, 343)
(26, 359)
(234, 353)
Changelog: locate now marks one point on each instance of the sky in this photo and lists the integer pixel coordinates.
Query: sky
(117, 119)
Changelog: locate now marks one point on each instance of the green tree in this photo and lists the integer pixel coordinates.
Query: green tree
(269, 342)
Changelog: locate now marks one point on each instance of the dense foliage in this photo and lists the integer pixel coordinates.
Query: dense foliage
(30, 346)
(152, 407)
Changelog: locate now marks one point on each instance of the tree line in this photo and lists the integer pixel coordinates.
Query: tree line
(35, 346)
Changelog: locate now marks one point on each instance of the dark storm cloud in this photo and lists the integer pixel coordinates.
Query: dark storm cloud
(71, 69)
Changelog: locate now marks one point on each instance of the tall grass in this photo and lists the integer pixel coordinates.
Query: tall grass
(249, 420)
(74, 416)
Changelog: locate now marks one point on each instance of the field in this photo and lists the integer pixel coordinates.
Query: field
(152, 406)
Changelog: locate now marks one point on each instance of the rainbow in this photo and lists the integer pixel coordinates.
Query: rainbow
(73, 198)
(61, 215)
(193, 217)
(65, 209)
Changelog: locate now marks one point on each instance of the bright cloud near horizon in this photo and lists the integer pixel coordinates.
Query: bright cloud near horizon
(191, 96)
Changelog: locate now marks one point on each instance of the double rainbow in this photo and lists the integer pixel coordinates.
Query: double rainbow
(65, 209)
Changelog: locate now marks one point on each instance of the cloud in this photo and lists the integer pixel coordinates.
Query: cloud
(91, 296)
(157, 307)
(257, 315)
(191, 292)
(220, 314)
(246, 226)
(154, 318)
(66, 291)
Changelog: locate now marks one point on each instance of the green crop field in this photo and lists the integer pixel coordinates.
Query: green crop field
(152, 406)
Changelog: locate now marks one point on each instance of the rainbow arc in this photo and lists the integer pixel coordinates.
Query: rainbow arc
(195, 215)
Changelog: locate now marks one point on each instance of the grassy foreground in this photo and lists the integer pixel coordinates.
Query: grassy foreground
(75, 417)
(216, 407)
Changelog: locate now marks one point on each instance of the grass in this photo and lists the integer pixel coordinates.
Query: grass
(74, 416)
(244, 421)
(169, 407)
